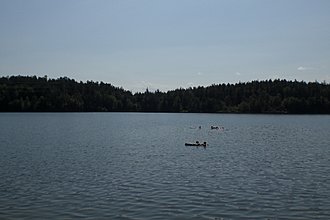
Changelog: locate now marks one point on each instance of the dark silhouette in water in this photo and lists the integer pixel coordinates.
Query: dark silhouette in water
(197, 144)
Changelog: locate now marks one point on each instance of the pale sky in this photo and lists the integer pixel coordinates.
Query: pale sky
(166, 44)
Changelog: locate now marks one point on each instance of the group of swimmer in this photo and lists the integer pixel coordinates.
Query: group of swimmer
(212, 127)
(204, 144)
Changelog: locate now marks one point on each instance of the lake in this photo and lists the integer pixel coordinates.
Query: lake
(136, 166)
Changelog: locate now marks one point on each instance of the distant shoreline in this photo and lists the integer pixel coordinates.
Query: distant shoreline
(219, 113)
(40, 94)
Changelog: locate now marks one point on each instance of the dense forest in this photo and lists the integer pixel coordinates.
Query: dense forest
(40, 94)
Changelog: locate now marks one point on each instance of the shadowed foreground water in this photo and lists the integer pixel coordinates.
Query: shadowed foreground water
(135, 166)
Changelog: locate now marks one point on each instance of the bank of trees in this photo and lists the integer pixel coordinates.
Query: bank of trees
(40, 94)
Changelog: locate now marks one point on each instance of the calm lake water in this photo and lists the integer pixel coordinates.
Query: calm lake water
(136, 166)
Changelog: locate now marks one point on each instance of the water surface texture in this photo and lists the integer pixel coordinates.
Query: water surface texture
(136, 166)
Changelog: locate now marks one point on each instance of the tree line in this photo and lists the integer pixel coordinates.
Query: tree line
(40, 94)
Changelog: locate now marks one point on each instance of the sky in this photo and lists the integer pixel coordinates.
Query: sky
(166, 44)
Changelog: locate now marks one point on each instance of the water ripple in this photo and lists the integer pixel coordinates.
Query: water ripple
(135, 166)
